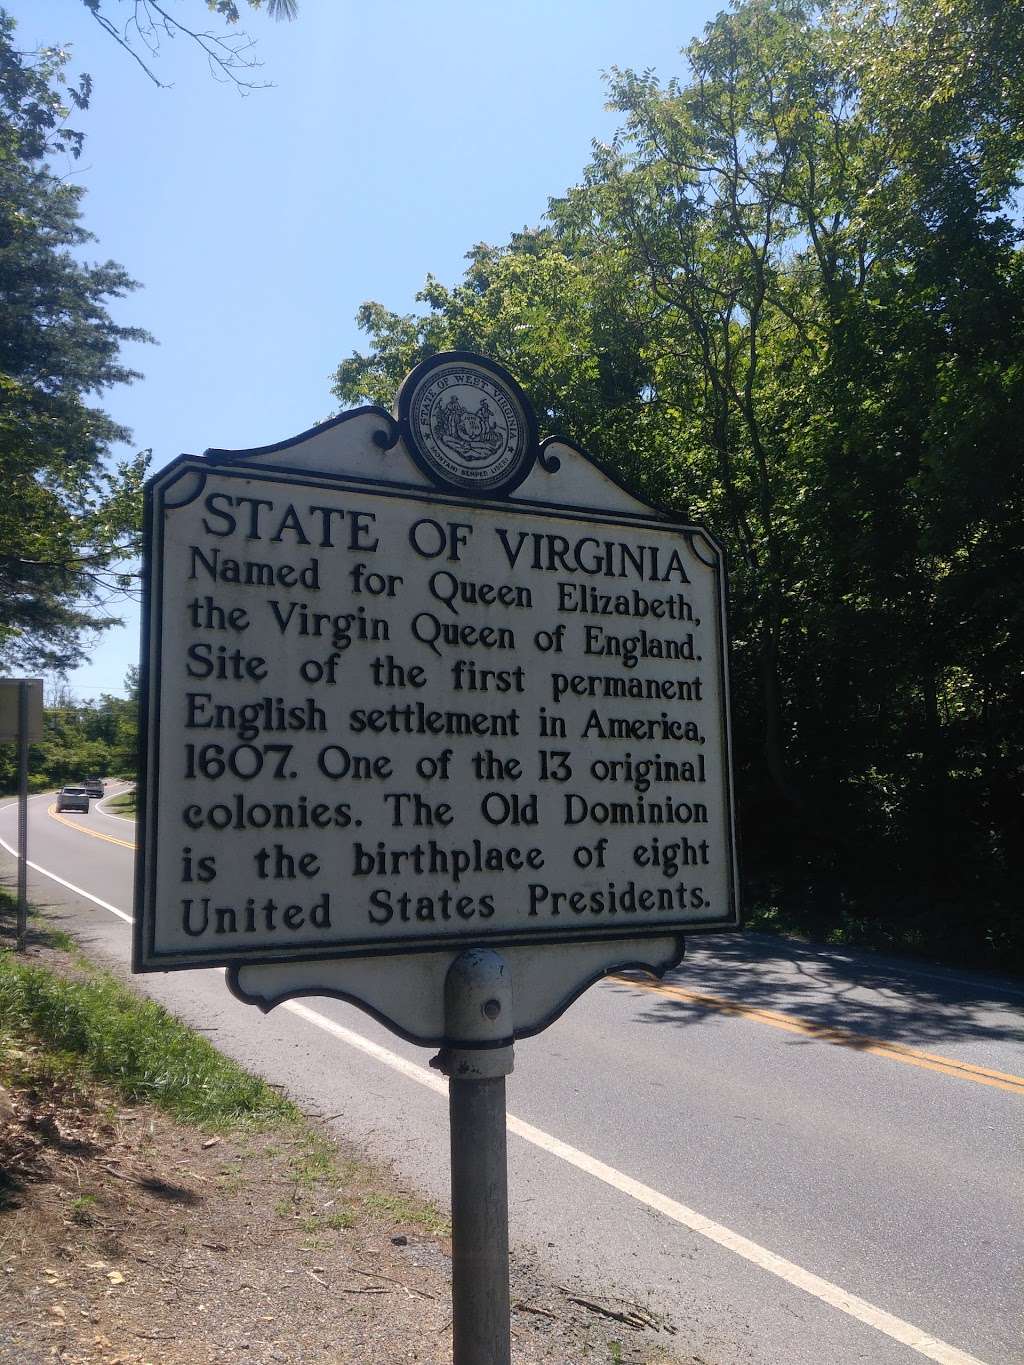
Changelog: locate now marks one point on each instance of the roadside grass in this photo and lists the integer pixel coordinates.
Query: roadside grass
(51, 938)
(82, 1209)
(316, 1160)
(404, 1209)
(315, 1167)
(124, 803)
(72, 1037)
(79, 1025)
(339, 1221)
(40, 931)
(94, 1027)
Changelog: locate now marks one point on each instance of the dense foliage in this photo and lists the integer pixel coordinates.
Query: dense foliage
(788, 300)
(68, 517)
(80, 739)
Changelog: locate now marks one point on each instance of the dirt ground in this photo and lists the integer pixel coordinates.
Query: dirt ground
(127, 1239)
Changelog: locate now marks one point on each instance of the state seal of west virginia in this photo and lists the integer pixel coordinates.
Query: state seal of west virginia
(468, 424)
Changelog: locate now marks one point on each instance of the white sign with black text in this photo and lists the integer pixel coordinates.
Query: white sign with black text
(385, 716)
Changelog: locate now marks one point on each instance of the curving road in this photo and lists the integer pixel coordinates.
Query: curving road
(800, 1157)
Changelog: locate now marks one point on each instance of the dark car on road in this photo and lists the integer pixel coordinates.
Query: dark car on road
(73, 798)
(93, 786)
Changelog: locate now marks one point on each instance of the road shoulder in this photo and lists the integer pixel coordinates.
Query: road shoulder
(131, 1236)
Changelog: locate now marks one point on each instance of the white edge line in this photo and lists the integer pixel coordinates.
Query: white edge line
(904, 1332)
(112, 814)
(79, 891)
(412, 1070)
(895, 1328)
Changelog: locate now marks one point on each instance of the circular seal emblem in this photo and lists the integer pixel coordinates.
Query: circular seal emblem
(468, 424)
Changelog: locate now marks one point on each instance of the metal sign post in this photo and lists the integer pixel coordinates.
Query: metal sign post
(21, 720)
(478, 991)
(435, 721)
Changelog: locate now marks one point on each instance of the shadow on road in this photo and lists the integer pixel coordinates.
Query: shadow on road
(845, 991)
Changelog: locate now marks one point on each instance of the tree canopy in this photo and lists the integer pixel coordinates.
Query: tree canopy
(68, 516)
(80, 740)
(787, 298)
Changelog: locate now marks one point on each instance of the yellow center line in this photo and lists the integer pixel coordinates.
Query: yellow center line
(838, 1037)
(84, 829)
(822, 1033)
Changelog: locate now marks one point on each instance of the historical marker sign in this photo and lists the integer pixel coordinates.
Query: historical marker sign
(389, 716)
(436, 720)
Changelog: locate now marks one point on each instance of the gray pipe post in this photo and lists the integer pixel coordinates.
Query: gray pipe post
(476, 1059)
(23, 687)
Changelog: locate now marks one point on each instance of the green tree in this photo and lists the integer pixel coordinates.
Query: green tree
(68, 517)
(574, 335)
(788, 296)
(80, 739)
(824, 215)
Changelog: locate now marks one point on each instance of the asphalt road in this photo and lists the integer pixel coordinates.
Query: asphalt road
(800, 1157)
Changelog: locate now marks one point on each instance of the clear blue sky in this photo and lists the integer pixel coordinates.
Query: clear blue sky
(396, 135)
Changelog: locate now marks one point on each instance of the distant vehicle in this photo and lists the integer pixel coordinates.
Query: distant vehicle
(94, 786)
(73, 798)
